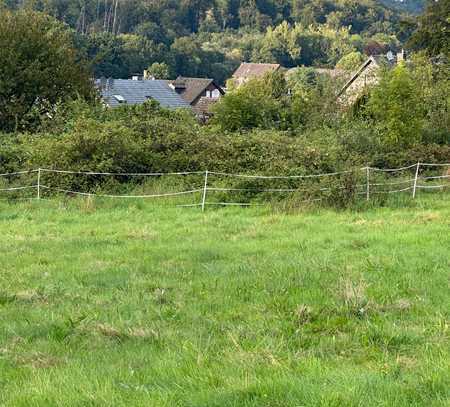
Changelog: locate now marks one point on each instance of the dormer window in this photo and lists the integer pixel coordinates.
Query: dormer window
(120, 98)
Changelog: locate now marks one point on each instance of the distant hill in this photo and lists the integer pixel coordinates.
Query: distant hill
(411, 6)
(209, 38)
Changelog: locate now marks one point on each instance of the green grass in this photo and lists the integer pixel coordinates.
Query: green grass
(105, 304)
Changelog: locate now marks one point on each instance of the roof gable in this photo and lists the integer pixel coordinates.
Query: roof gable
(192, 89)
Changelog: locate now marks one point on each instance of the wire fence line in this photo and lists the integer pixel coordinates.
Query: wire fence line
(366, 181)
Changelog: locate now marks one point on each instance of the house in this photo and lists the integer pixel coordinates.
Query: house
(248, 71)
(116, 92)
(367, 76)
(200, 93)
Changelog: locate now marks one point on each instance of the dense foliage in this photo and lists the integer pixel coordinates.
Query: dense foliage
(39, 69)
(210, 37)
(433, 30)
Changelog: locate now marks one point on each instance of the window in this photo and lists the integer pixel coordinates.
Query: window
(215, 93)
(120, 98)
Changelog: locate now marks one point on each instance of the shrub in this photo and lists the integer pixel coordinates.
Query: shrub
(397, 109)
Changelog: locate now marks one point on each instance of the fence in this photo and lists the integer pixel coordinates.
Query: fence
(226, 189)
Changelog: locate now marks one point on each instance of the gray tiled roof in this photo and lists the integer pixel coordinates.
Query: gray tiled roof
(138, 91)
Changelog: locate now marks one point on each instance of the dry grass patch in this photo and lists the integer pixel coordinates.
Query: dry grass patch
(38, 360)
(87, 205)
(143, 333)
(144, 233)
(427, 217)
(25, 296)
(140, 333)
(402, 304)
(110, 332)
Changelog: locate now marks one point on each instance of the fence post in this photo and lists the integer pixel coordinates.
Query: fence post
(205, 187)
(368, 183)
(415, 180)
(39, 184)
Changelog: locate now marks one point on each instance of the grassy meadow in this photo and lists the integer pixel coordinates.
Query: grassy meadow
(132, 304)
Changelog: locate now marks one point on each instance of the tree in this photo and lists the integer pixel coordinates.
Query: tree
(433, 31)
(280, 45)
(257, 103)
(397, 108)
(187, 56)
(350, 61)
(158, 70)
(39, 68)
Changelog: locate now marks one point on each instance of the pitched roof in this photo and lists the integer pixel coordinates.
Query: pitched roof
(116, 92)
(251, 70)
(378, 60)
(192, 88)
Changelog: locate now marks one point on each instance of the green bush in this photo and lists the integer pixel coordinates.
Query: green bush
(147, 138)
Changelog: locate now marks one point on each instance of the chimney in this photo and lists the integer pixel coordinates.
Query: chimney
(179, 85)
(401, 56)
(103, 83)
(109, 83)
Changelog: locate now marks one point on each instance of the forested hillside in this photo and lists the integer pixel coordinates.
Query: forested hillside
(211, 37)
(413, 6)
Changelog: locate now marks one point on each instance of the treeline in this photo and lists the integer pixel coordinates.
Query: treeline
(184, 17)
(211, 37)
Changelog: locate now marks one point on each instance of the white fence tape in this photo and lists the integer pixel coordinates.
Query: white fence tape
(369, 188)
(437, 177)
(21, 199)
(18, 188)
(8, 174)
(392, 191)
(393, 169)
(122, 196)
(226, 174)
(393, 183)
(433, 186)
(435, 165)
(125, 174)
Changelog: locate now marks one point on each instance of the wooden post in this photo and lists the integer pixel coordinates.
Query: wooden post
(415, 180)
(205, 187)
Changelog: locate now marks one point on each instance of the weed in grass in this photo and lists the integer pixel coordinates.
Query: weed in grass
(87, 205)
(354, 297)
(303, 314)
